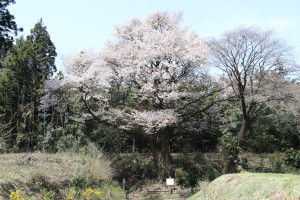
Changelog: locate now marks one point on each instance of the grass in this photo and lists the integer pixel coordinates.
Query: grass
(35, 172)
(31, 173)
(56, 166)
(251, 186)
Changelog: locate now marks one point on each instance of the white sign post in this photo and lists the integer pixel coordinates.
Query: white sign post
(170, 183)
(124, 181)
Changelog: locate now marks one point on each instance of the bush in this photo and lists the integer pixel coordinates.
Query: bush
(3, 145)
(192, 170)
(111, 192)
(93, 167)
(27, 141)
(6, 187)
(107, 138)
(47, 195)
(133, 169)
(38, 182)
(51, 138)
(65, 143)
(293, 157)
(265, 163)
(79, 180)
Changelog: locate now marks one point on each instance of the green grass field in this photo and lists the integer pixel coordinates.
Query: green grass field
(251, 186)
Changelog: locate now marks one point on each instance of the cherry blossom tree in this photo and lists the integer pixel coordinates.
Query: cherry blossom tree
(147, 80)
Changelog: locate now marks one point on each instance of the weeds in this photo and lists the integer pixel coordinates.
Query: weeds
(102, 193)
(43, 175)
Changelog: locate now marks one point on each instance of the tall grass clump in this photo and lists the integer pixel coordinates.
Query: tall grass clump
(40, 173)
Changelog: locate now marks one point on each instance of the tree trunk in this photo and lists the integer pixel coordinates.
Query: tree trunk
(242, 132)
(232, 157)
(231, 161)
(160, 147)
(52, 116)
(133, 145)
(44, 132)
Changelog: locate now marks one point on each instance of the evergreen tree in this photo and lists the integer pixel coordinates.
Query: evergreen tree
(44, 52)
(32, 61)
(8, 27)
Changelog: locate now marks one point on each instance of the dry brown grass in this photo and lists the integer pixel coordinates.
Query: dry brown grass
(33, 171)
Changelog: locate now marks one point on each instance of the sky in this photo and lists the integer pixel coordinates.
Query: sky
(75, 25)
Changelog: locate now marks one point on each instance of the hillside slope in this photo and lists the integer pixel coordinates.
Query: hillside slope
(251, 186)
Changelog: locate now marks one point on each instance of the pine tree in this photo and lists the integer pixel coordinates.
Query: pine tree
(32, 61)
(8, 27)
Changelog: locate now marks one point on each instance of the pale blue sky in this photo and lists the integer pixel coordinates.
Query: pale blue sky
(76, 24)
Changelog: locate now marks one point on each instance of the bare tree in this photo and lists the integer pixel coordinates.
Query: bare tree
(255, 65)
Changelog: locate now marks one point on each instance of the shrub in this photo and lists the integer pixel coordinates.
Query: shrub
(133, 169)
(111, 192)
(65, 143)
(92, 167)
(182, 177)
(68, 194)
(3, 145)
(51, 138)
(39, 182)
(47, 195)
(293, 157)
(192, 170)
(6, 187)
(79, 180)
(96, 165)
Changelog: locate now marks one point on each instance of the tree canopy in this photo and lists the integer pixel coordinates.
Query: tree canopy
(150, 90)
(145, 79)
(8, 27)
(255, 66)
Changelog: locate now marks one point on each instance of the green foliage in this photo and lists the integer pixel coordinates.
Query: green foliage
(43, 59)
(50, 140)
(111, 192)
(228, 143)
(47, 195)
(133, 169)
(231, 121)
(6, 187)
(71, 138)
(277, 165)
(79, 180)
(293, 157)
(265, 163)
(8, 85)
(3, 145)
(65, 143)
(274, 131)
(23, 72)
(8, 27)
(107, 138)
(186, 140)
(27, 141)
(192, 170)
